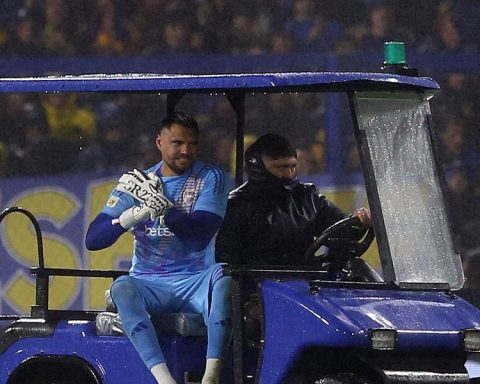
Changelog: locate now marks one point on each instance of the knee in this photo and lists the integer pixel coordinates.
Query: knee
(124, 289)
(223, 287)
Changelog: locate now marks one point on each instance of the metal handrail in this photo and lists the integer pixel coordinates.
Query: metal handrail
(40, 309)
(36, 225)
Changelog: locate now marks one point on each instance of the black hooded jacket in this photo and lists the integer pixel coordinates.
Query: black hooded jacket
(272, 222)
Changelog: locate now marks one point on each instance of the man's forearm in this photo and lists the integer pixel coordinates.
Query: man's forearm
(102, 233)
(195, 230)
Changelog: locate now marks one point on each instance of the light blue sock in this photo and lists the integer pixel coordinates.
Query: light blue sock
(220, 319)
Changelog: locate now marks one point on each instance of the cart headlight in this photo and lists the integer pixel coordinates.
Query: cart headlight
(471, 340)
(382, 339)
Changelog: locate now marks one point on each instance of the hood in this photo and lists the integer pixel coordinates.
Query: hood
(262, 182)
(337, 316)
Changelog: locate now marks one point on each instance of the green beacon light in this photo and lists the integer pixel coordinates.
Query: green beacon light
(394, 53)
(394, 59)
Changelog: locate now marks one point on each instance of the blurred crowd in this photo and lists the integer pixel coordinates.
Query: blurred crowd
(158, 27)
(55, 133)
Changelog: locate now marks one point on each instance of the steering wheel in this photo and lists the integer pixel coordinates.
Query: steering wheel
(339, 237)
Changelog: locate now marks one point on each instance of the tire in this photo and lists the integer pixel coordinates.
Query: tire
(44, 372)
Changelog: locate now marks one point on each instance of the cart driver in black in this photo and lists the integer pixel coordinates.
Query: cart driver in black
(273, 218)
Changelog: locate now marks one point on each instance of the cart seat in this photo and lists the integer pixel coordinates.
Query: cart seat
(171, 324)
(108, 323)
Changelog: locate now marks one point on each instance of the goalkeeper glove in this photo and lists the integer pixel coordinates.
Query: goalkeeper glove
(140, 185)
(153, 207)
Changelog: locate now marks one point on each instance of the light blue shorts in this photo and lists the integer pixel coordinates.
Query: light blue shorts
(189, 293)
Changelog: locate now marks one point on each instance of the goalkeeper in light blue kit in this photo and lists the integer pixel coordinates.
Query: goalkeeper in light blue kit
(174, 210)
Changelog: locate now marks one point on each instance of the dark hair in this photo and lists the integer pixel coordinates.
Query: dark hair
(271, 145)
(181, 118)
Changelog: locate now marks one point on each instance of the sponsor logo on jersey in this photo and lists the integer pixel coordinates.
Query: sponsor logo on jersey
(112, 202)
(158, 231)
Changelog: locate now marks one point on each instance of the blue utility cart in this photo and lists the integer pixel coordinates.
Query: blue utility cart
(342, 322)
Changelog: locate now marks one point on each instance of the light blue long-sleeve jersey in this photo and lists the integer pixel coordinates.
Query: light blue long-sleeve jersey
(157, 251)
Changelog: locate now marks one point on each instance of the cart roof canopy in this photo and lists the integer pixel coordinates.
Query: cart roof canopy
(265, 82)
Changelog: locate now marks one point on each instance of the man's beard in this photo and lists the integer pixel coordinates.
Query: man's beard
(180, 169)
